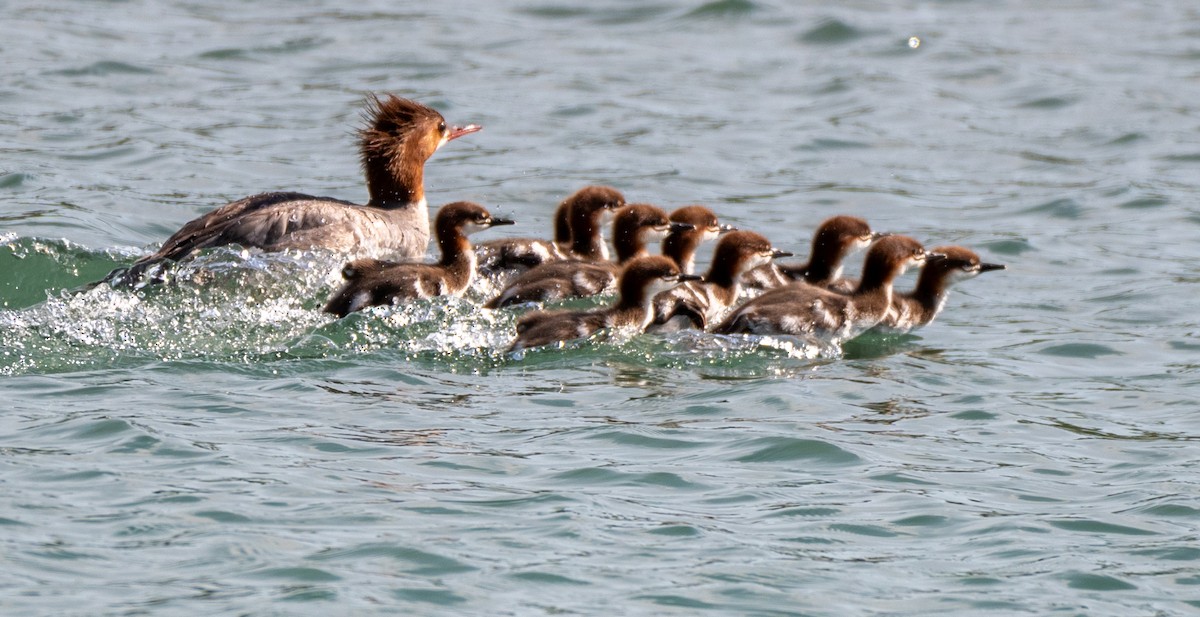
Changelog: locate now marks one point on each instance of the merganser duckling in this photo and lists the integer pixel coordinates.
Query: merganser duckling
(801, 309)
(641, 280)
(699, 303)
(835, 238)
(399, 137)
(633, 227)
(920, 306)
(590, 204)
(588, 213)
(681, 244)
(374, 282)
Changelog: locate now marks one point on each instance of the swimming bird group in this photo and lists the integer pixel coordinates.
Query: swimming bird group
(744, 291)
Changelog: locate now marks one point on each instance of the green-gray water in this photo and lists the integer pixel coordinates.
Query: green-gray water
(222, 448)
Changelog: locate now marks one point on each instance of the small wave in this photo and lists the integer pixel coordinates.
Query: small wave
(104, 67)
(831, 32)
(35, 268)
(290, 46)
(723, 9)
(10, 180)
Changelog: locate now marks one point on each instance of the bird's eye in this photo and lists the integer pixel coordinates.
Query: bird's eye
(442, 127)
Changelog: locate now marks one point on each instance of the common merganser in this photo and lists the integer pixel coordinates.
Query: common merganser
(699, 303)
(681, 244)
(804, 310)
(589, 203)
(400, 135)
(374, 282)
(835, 239)
(641, 280)
(922, 305)
(633, 227)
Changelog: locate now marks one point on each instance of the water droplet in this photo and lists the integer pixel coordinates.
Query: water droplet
(914, 42)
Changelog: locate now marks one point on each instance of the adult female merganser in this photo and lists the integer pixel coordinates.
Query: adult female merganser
(681, 244)
(399, 137)
(921, 306)
(374, 282)
(801, 309)
(588, 205)
(835, 238)
(699, 303)
(641, 280)
(633, 227)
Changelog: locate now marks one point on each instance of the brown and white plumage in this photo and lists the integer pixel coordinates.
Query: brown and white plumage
(641, 280)
(801, 309)
(946, 266)
(588, 212)
(399, 137)
(681, 244)
(375, 282)
(589, 203)
(697, 304)
(835, 238)
(633, 227)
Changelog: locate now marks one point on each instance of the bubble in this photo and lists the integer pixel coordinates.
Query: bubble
(914, 42)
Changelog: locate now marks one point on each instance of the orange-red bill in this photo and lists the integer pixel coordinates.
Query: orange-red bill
(459, 131)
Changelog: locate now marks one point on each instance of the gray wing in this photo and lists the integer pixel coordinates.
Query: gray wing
(231, 223)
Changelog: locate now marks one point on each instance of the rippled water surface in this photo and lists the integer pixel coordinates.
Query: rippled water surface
(218, 446)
